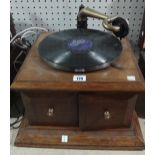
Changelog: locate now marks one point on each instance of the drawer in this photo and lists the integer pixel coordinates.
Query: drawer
(54, 108)
(99, 111)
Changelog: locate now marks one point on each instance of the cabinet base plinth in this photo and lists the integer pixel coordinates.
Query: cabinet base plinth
(51, 137)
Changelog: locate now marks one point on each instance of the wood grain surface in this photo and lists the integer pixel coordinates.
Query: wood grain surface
(47, 136)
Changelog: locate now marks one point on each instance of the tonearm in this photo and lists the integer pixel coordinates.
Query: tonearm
(117, 25)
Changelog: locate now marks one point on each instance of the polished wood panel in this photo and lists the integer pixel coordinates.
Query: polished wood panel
(105, 110)
(124, 138)
(51, 108)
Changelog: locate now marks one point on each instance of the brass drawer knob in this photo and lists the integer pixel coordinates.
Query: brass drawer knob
(107, 115)
(50, 112)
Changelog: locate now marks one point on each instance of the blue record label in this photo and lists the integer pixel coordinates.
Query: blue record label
(80, 45)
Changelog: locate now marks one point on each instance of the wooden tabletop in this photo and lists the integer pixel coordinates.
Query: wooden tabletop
(36, 74)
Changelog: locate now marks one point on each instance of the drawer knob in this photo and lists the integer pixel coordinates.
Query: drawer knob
(107, 115)
(50, 112)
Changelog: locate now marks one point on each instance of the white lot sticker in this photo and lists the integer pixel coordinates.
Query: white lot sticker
(79, 78)
(64, 138)
(131, 78)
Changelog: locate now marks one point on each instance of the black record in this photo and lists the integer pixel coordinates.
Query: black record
(80, 50)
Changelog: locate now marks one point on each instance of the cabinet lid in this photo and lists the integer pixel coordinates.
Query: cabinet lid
(35, 74)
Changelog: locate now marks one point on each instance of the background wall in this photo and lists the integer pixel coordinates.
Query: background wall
(56, 15)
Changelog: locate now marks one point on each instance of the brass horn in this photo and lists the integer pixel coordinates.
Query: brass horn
(107, 21)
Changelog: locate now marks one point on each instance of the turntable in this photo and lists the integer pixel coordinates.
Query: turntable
(82, 49)
(79, 88)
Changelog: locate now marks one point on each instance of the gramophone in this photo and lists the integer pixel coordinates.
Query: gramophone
(79, 88)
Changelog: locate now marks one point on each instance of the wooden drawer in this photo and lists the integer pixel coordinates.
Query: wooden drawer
(97, 111)
(51, 108)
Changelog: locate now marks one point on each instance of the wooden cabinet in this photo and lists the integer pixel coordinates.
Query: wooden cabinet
(95, 114)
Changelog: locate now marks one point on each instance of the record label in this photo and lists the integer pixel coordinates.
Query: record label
(80, 45)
